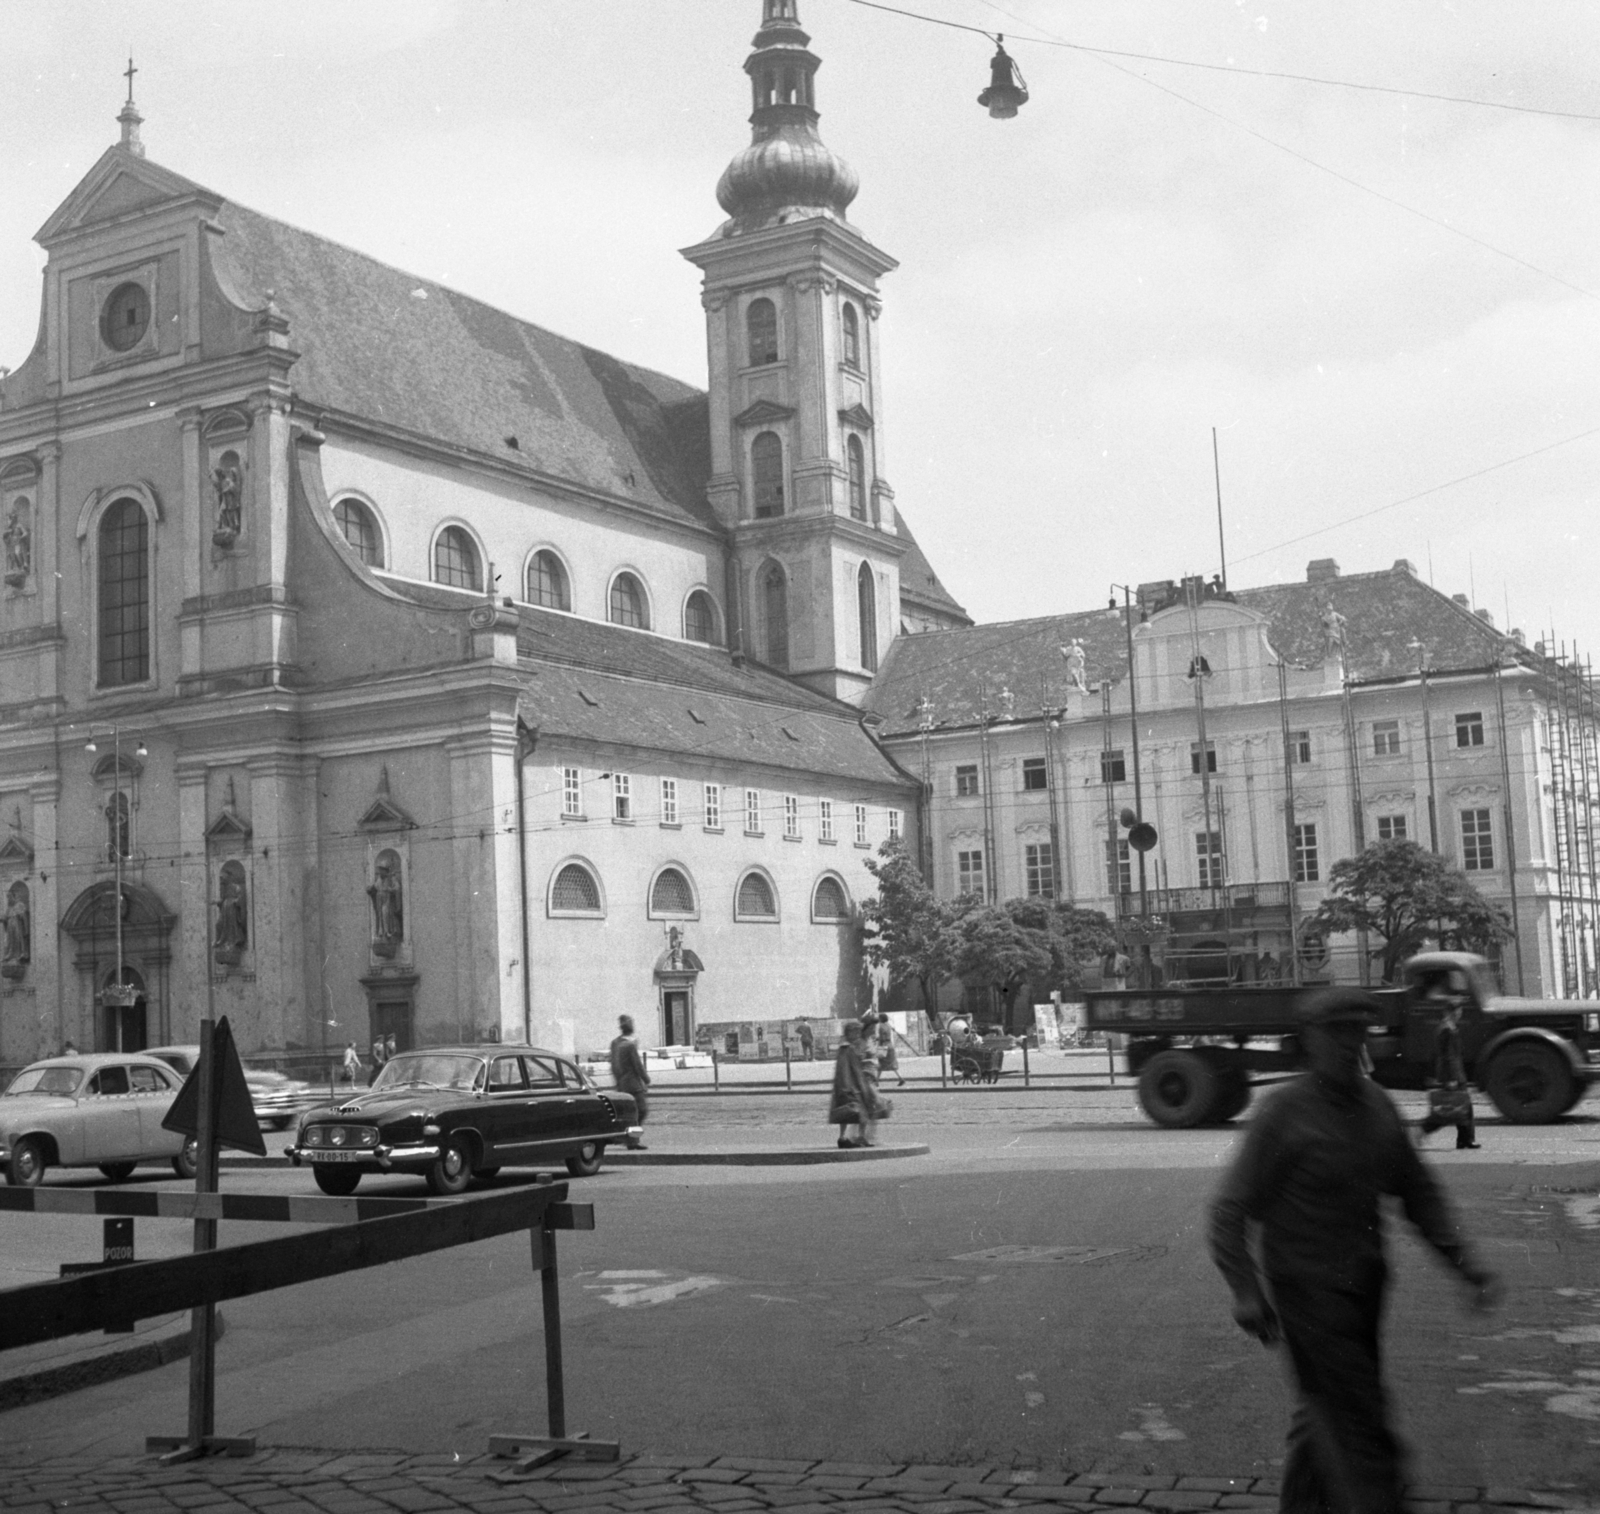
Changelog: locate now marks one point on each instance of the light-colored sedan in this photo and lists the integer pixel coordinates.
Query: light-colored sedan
(277, 1097)
(102, 1110)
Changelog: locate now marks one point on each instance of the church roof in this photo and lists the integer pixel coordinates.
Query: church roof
(596, 682)
(386, 346)
(918, 582)
(1384, 612)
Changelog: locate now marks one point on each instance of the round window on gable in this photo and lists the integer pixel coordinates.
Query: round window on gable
(125, 317)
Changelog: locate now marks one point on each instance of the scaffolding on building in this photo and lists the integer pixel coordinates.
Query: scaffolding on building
(1572, 750)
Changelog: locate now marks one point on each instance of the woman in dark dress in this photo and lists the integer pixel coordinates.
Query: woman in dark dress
(855, 1099)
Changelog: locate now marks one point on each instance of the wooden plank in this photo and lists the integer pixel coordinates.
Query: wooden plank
(139, 1290)
(307, 1209)
(569, 1217)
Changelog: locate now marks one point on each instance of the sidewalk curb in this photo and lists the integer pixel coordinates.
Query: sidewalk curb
(798, 1157)
(98, 1364)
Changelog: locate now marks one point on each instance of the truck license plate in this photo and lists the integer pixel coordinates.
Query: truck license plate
(332, 1156)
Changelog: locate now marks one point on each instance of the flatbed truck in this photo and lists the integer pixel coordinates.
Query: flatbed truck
(1194, 1050)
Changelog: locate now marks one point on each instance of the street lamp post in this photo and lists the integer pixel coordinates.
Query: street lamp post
(1138, 791)
(118, 832)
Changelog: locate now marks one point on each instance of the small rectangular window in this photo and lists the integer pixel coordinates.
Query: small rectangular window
(894, 825)
(1391, 827)
(1039, 871)
(825, 819)
(1299, 746)
(571, 792)
(1119, 867)
(1385, 738)
(752, 812)
(669, 801)
(791, 815)
(621, 797)
(714, 806)
(861, 825)
(966, 781)
(1208, 858)
(1194, 756)
(1113, 767)
(1034, 774)
(1477, 841)
(969, 873)
(1305, 854)
(1469, 729)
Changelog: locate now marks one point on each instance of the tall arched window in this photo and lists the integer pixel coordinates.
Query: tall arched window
(455, 560)
(360, 530)
(867, 610)
(700, 618)
(766, 474)
(547, 582)
(628, 605)
(857, 457)
(775, 615)
(851, 324)
(124, 594)
(761, 327)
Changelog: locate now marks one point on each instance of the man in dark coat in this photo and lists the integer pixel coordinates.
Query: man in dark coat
(1309, 1173)
(628, 1072)
(1450, 1077)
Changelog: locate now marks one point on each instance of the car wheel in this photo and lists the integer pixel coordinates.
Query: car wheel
(27, 1164)
(587, 1160)
(1530, 1083)
(452, 1171)
(339, 1181)
(187, 1161)
(1177, 1089)
(118, 1172)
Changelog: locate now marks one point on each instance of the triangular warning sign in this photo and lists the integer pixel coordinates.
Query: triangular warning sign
(233, 1110)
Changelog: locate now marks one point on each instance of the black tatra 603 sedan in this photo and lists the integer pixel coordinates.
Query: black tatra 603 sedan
(458, 1112)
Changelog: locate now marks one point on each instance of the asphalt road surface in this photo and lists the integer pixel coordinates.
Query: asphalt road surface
(1036, 1291)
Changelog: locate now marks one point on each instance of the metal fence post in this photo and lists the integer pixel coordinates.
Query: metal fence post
(716, 1072)
(788, 1071)
(544, 1258)
(944, 1076)
(1026, 1083)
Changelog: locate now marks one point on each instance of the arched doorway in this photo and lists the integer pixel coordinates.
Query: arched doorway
(677, 970)
(125, 1002)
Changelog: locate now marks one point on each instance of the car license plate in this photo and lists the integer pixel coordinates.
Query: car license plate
(332, 1156)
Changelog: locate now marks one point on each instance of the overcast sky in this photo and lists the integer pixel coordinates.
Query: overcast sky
(1368, 294)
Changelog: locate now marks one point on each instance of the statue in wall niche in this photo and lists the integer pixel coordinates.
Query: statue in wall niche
(232, 934)
(18, 932)
(388, 913)
(19, 547)
(227, 482)
(1077, 662)
(675, 947)
(1333, 624)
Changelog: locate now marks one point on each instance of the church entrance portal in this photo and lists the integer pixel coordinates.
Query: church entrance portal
(127, 1005)
(676, 972)
(677, 1018)
(123, 1014)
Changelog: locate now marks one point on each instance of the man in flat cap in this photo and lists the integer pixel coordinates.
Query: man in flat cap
(1309, 1173)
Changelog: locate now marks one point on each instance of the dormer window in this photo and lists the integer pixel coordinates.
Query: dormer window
(851, 324)
(761, 329)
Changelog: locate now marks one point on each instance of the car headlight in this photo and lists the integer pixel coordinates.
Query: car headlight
(312, 1135)
(369, 1136)
(336, 1136)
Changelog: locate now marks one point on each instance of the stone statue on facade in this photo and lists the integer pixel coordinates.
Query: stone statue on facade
(675, 947)
(117, 828)
(1333, 624)
(228, 485)
(388, 917)
(232, 934)
(19, 548)
(1077, 663)
(18, 932)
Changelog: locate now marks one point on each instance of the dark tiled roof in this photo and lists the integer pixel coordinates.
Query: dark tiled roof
(386, 346)
(595, 682)
(918, 581)
(1383, 613)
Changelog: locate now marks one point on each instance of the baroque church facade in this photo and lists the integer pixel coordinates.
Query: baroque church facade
(373, 661)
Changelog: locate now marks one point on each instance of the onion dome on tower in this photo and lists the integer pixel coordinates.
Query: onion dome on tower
(786, 173)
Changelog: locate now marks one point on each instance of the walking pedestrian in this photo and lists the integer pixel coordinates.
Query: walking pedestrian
(854, 1100)
(888, 1057)
(1312, 1167)
(379, 1057)
(1450, 1099)
(628, 1072)
(351, 1072)
(808, 1041)
(388, 1048)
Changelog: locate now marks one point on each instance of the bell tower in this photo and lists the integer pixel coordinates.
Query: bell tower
(790, 290)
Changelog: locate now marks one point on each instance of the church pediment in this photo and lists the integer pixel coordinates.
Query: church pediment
(762, 413)
(228, 826)
(119, 185)
(383, 814)
(857, 415)
(15, 854)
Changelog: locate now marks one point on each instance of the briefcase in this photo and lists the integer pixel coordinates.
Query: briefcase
(1450, 1105)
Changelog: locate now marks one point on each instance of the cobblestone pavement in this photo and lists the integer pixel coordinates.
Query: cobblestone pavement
(291, 1481)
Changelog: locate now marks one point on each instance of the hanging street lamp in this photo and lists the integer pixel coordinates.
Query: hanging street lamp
(1007, 92)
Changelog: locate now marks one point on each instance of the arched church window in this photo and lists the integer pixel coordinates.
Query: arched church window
(867, 609)
(829, 901)
(851, 323)
(575, 890)
(628, 605)
(455, 560)
(700, 618)
(775, 615)
(124, 594)
(857, 457)
(672, 894)
(766, 474)
(547, 582)
(755, 899)
(761, 326)
(360, 530)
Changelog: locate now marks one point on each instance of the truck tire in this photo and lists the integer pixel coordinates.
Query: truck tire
(1178, 1089)
(1530, 1083)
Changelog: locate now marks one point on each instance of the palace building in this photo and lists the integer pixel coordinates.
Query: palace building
(372, 660)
